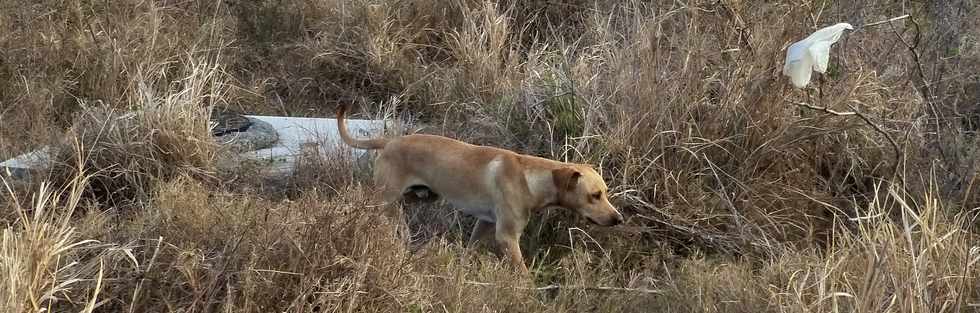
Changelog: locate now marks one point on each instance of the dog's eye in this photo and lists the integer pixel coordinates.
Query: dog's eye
(597, 195)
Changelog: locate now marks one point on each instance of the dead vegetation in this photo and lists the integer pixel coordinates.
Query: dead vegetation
(738, 197)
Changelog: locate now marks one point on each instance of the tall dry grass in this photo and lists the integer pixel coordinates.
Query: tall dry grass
(163, 133)
(44, 265)
(738, 199)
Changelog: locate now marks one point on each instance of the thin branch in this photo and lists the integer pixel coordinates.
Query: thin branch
(913, 49)
(556, 286)
(854, 112)
(600, 288)
(823, 109)
(877, 127)
(886, 21)
(925, 87)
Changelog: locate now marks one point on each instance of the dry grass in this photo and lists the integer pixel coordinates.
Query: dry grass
(44, 264)
(166, 133)
(737, 199)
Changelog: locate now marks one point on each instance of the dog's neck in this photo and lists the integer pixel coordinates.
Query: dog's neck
(541, 185)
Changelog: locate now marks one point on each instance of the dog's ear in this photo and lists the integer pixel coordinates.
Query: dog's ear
(566, 178)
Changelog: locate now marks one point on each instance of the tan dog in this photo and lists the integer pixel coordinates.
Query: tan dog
(499, 187)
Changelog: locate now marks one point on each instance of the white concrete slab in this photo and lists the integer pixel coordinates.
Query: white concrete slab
(294, 133)
(19, 166)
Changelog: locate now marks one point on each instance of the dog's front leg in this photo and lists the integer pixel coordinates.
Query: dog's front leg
(508, 235)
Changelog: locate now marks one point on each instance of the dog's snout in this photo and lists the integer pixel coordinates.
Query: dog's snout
(617, 219)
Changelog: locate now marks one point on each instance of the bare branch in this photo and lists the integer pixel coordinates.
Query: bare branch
(886, 21)
(854, 112)
(823, 109)
(556, 286)
(913, 49)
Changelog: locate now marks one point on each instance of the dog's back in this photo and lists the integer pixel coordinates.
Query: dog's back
(450, 163)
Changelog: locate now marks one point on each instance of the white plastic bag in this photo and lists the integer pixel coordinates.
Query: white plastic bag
(811, 54)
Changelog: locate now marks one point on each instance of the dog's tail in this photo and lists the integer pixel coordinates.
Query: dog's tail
(376, 143)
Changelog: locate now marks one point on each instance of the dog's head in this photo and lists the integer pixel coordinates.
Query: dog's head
(582, 189)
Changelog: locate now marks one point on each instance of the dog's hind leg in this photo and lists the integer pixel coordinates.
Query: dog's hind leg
(391, 184)
(394, 211)
(389, 180)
